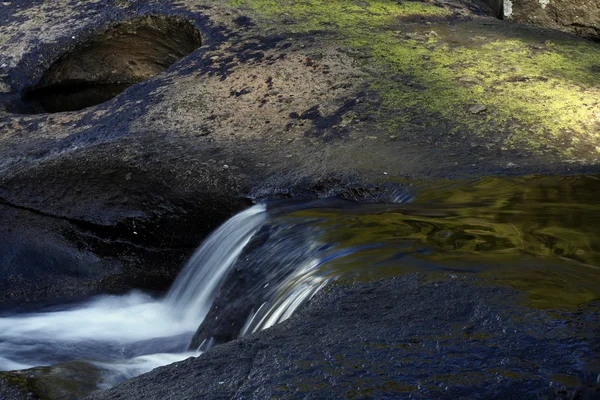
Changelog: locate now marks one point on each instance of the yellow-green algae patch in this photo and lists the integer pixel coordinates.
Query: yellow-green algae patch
(351, 17)
(503, 84)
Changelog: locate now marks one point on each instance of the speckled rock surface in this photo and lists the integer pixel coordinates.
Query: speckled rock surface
(285, 98)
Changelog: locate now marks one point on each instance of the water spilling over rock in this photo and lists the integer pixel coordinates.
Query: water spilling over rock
(538, 236)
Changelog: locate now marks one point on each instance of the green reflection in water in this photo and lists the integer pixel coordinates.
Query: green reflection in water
(540, 235)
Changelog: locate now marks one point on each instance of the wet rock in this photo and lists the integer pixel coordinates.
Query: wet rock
(496, 5)
(13, 387)
(143, 173)
(390, 338)
(66, 381)
(102, 67)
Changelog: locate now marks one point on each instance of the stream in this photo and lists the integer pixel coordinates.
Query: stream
(539, 235)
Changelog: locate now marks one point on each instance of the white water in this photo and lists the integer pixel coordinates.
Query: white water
(289, 296)
(106, 328)
(131, 334)
(129, 368)
(124, 336)
(196, 286)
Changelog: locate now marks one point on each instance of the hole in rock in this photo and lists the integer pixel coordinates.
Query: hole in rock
(102, 67)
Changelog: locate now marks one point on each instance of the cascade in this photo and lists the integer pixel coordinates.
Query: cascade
(195, 287)
(131, 334)
(124, 336)
(261, 265)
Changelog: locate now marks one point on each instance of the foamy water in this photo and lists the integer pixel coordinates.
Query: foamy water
(128, 335)
(105, 328)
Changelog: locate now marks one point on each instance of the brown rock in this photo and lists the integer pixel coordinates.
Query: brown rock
(477, 109)
(580, 17)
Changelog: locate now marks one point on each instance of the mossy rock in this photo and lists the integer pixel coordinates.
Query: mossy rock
(14, 386)
(500, 85)
(579, 17)
(66, 381)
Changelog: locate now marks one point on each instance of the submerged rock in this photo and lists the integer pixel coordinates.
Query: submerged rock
(67, 381)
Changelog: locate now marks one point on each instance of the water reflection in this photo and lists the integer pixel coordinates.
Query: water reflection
(540, 235)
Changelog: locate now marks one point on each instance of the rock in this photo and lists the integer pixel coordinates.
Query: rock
(477, 109)
(122, 192)
(469, 80)
(347, 118)
(579, 17)
(391, 338)
(273, 92)
(117, 195)
(496, 5)
(329, 108)
(66, 381)
(13, 387)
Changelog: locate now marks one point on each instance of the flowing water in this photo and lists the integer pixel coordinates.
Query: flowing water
(538, 235)
(124, 336)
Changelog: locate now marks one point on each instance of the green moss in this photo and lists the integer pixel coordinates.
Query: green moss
(350, 17)
(539, 94)
(536, 95)
(15, 380)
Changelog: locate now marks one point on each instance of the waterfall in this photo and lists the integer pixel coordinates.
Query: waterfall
(130, 334)
(261, 265)
(289, 259)
(194, 289)
(123, 336)
(305, 279)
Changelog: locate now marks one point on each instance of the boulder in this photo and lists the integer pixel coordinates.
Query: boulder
(579, 17)
(277, 99)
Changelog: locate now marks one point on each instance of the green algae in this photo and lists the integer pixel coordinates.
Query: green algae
(538, 91)
(350, 17)
(69, 380)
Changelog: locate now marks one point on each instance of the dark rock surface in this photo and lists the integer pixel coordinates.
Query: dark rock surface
(410, 337)
(11, 389)
(100, 231)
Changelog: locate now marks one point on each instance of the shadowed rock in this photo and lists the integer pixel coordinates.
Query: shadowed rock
(102, 67)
